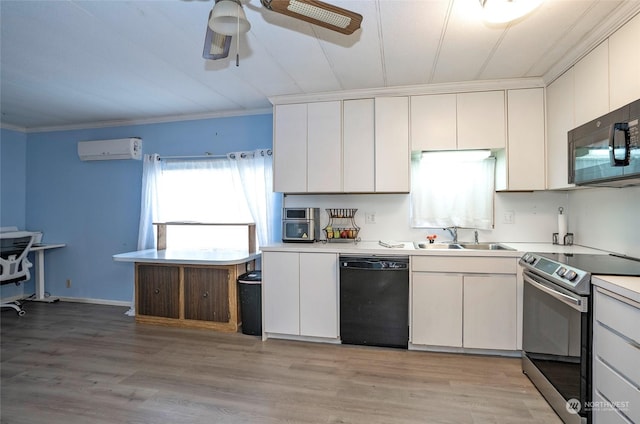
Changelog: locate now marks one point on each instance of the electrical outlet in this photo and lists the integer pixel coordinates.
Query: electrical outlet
(370, 218)
(509, 217)
(69, 283)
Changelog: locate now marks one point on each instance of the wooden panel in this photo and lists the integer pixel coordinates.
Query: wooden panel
(206, 294)
(158, 290)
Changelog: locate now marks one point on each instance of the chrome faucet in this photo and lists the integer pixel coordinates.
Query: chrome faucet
(454, 233)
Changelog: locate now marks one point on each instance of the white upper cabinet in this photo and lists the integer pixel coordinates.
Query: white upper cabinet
(481, 120)
(591, 85)
(525, 154)
(392, 144)
(434, 122)
(560, 120)
(624, 65)
(358, 148)
(290, 148)
(324, 147)
(458, 121)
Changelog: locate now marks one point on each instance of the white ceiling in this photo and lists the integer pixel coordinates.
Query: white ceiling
(68, 63)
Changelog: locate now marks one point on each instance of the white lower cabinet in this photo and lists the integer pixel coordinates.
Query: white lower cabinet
(460, 303)
(300, 294)
(616, 354)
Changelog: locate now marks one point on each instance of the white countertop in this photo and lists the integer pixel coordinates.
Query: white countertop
(190, 257)
(628, 287)
(373, 248)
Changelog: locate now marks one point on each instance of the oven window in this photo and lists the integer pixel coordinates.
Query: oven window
(296, 230)
(555, 339)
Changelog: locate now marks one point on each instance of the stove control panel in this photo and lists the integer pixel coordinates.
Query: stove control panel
(560, 273)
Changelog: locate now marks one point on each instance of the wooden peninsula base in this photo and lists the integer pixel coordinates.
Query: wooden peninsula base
(200, 296)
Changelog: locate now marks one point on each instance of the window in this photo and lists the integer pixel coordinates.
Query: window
(452, 189)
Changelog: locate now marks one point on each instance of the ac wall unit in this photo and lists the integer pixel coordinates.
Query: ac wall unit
(122, 148)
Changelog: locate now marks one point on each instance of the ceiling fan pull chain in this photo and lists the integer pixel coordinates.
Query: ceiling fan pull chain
(238, 40)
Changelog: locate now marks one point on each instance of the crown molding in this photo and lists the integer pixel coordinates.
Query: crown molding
(412, 90)
(158, 120)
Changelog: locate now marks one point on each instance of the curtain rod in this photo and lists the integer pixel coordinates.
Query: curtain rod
(208, 155)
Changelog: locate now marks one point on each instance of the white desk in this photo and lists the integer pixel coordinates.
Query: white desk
(39, 249)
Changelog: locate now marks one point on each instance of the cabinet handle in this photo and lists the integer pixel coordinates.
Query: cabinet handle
(157, 291)
(206, 294)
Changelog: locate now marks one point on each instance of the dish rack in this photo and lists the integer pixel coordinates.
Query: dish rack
(342, 226)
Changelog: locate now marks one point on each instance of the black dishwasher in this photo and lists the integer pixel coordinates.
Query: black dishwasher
(374, 301)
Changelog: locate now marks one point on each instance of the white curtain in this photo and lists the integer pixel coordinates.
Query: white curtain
(254, 170)
(452, 189)
(151, 168)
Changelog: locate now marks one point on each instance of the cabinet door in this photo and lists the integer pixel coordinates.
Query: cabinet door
(591, 79)
(481, 120)
(624, 65)
(281, 292)
(560, 120)
(433, 122)
(290, 148)
(319, 295)
(490, 312)
(158, 290)
(206, 294)
(436, 310)
(526, 139)
(324, 147)
(392, 144)
(358, 151)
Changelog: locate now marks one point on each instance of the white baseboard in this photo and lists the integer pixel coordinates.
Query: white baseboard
(12, 298)
(96, 301)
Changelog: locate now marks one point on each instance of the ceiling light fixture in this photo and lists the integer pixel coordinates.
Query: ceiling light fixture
(505, 11)
(227, 18)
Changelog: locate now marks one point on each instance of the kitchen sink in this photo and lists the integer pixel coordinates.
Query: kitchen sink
(484, 246)
(436, 245)
(471, 246)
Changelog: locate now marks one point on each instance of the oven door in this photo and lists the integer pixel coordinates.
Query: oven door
(556, 344)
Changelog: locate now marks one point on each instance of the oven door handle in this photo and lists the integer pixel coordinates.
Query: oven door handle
(577, 304)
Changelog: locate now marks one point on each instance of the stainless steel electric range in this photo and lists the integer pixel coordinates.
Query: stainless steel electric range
(557, 333)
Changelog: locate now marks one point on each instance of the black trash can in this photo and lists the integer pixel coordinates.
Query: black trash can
(250, 291)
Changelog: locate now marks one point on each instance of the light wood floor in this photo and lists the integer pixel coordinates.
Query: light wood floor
(78, 363)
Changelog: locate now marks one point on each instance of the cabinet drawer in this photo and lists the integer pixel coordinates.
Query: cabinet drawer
(622, 394)
(606, 415)
(618, 352)
(618, 315)
(482, 265)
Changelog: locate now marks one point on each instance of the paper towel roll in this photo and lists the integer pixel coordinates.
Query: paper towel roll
(562, 226)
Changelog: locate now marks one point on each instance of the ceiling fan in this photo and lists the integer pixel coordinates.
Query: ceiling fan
(227, 18)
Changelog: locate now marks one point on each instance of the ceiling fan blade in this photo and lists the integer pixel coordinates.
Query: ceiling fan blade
(318, 13)
(216, 46)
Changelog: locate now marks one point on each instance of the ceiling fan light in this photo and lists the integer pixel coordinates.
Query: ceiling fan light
(323, 15)
(228, 18)
(504, 11)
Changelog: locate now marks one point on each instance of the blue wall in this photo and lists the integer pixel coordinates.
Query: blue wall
(94, 207)
(13, 174)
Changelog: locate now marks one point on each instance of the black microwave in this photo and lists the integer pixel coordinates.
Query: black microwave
(606, 151)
